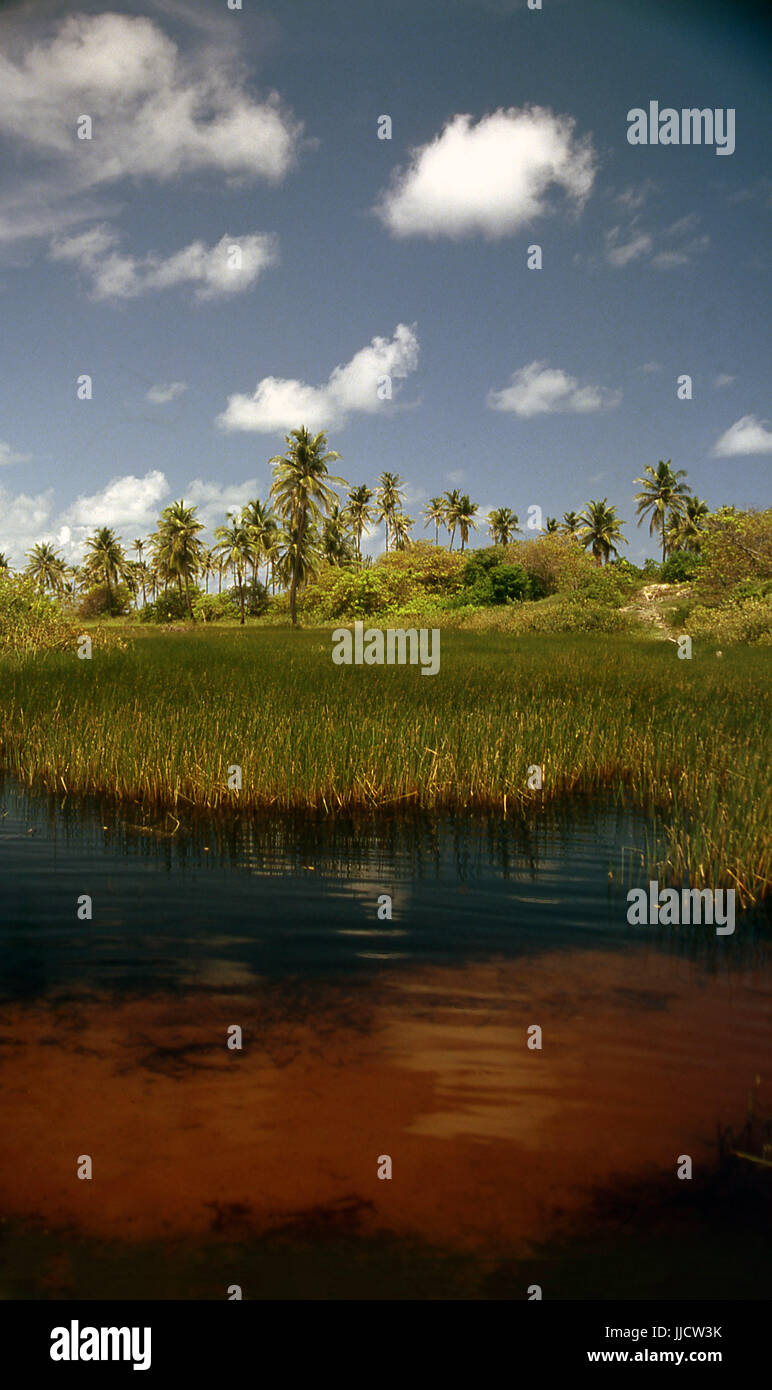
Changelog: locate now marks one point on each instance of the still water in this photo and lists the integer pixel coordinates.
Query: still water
(366, 1036)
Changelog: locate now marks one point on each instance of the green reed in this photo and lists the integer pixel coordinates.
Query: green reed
(161, 721)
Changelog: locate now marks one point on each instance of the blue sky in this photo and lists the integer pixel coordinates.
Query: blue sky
(364, 258)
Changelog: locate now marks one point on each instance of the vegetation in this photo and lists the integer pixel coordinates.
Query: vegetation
(681, 739)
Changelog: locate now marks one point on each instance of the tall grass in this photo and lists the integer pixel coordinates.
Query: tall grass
(161, 722)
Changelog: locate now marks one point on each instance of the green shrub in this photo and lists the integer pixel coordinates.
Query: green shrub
(211, 608)
(560, 613)
(170, 607)
(734, 622)
(679, 568)
(554, 563)
(30, 621)
(101, 602)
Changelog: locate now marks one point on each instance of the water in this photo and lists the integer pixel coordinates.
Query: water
(365, 1037)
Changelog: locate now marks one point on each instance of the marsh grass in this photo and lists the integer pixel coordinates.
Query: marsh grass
(160, 721)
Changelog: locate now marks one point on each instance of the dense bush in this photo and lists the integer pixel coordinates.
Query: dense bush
(750, 621)
(101, 602)
(424, 568)
(211, 608)
(734, 546)
(679, 568)
(560, 613)
(29, 621)
(170, 607)
(554, 563)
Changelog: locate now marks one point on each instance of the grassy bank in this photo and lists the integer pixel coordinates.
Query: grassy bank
(162, 720)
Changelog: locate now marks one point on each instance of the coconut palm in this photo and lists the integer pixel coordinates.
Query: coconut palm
(4, 561)
(299, 554)
(46, 567)
(389, 497)
(259, 520)
(571, 524)
(336, 546)
(105, 561)
(601, 529)
(683, 532)
(207, 565)
(502, 525)
(359, 513)
(177, 546)
(464, 515)
(141, 568)
(401, 526)
(234, 551)
(434, 515)
(452, 500)
(302, 492)
(551, 526)
(663, 498)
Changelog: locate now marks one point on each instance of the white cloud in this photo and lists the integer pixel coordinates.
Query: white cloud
(723, 379)
(280, 404)
(230, 267)
(542, 390)
(23, 521)
(216, 500)
(156, 113)
(620, 253)
(491, 177)
(125, 501)
(9, 455)
(159, 395)
(632, 242)
(746, 436)
(649, 367)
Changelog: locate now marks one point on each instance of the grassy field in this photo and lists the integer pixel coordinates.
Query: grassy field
(161, 721)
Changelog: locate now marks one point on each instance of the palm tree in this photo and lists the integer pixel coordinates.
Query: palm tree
(335, 545)
(105, 560)
(141, 567)
(301, 489)
(683, 532)
(234, 548)
(571, 524)
(601, 528)
(389, 497)
(299, 554)
(46, 567)
(502, 525)
(663, 496)
(465, 514)
(178, 547)
(4, 562)
(434, 515)
(207, 565)
(452, 500)
(401, 526)
(258, 519)
(551, 526)
(359, 513)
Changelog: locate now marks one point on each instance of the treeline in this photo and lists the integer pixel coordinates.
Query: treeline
(306, 522)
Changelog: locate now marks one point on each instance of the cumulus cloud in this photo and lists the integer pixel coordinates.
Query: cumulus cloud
(124, 501)
(230, 267)
(280, 404)
(747, 435)
(159, 395)
(156, 112)
(23, 520)
(9, 455)
(723, 379)
(490, 177)
(542, 390)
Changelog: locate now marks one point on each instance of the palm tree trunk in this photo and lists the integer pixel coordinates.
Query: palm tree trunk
(241, 579)
(187, 594)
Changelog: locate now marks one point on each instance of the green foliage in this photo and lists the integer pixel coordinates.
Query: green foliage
(104, 602)
(734, 546)
(425, 568)
(749, 622)
(559, 613)
(212, 608)
(680, 567)
(554, 563)
(170, 607)
(29, 621)
(255, 598)
(488, 581)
